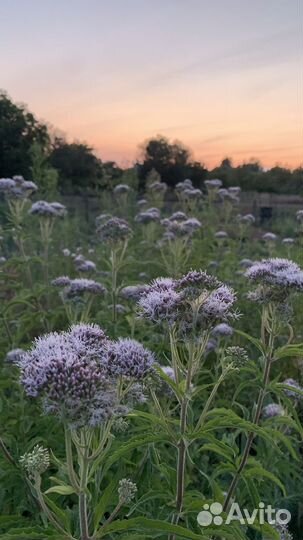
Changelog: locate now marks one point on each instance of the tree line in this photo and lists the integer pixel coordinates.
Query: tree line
(27, 148)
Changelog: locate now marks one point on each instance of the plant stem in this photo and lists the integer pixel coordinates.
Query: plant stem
(256, 420)
(69, 460)
(45, 508)
(84, 532)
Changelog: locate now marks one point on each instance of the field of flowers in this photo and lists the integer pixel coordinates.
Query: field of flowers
(151, 366)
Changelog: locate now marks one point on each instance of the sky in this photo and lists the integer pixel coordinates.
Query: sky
(225, 77)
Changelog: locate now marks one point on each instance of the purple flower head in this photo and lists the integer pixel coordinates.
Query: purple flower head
(178, 216)
(77, 287)
(246, 263)
(199, 279)
(46, 209)
(133, 292)
(277, 278)
(294, 384)
(181, 186)
(88, 338)
(161, 300)
(6, 185)
(120, 189)
(66, 371)
(61, 281)
(128, 358)
(288, 241)
(158, 187)
(299, 215)
(84, 265)
(17, 187)
(148, 216)
(247, 219)
(272, 410)
(191, 193)
(14, 356)
(142, 202)
(215, 183)
(114, 231)
(221, 235)
(269, 237)
(222, 330)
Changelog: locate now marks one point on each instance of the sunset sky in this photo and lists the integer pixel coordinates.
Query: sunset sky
(223, 76)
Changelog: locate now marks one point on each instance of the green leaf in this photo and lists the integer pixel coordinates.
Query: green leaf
(259, 471)
(104, 500)
(61, 490)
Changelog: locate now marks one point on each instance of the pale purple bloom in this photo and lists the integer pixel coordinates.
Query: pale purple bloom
(281, 273)
(121, 189)
(7, 184)
(81, 286)
(299, 215)
(269, 237)
(67, 372)
(222, 330)
(14, 356)
(160, 302)
(246, 263)
(114, 230)
(61, 281)
(220, 235)
(148, 216)
(288, 241)
(46, 209)
(133, 292)
(157, 187)
(215, 183)
(294, 384)
(272, 410)
(178, 216)
(128, 358)
(247, 219)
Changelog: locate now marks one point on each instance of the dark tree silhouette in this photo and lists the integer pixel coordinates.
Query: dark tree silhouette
(171, 160)
(19, 130)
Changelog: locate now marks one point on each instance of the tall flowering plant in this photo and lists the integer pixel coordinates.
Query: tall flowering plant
(189, 308)
(90, 384)
(115, 234)
(276, 282)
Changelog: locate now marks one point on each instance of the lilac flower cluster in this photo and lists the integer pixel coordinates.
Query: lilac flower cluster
(222, 330)
(277, 278)
(148, 216)
(187, 191)
(48, 210)
(114, 230)
(292, 393)
(157, 187)
(214, 184)
(133, 292)
(179, 225)
(78, 286)
(246, 219)
(14, 356)
(17, 187)
(288, 241)
(230, 194)
(75, 373)
(269, 237)
(299, 216)
(196, 300)
(272, 410)
(127, 357)
(121, 189)
(84, 265)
